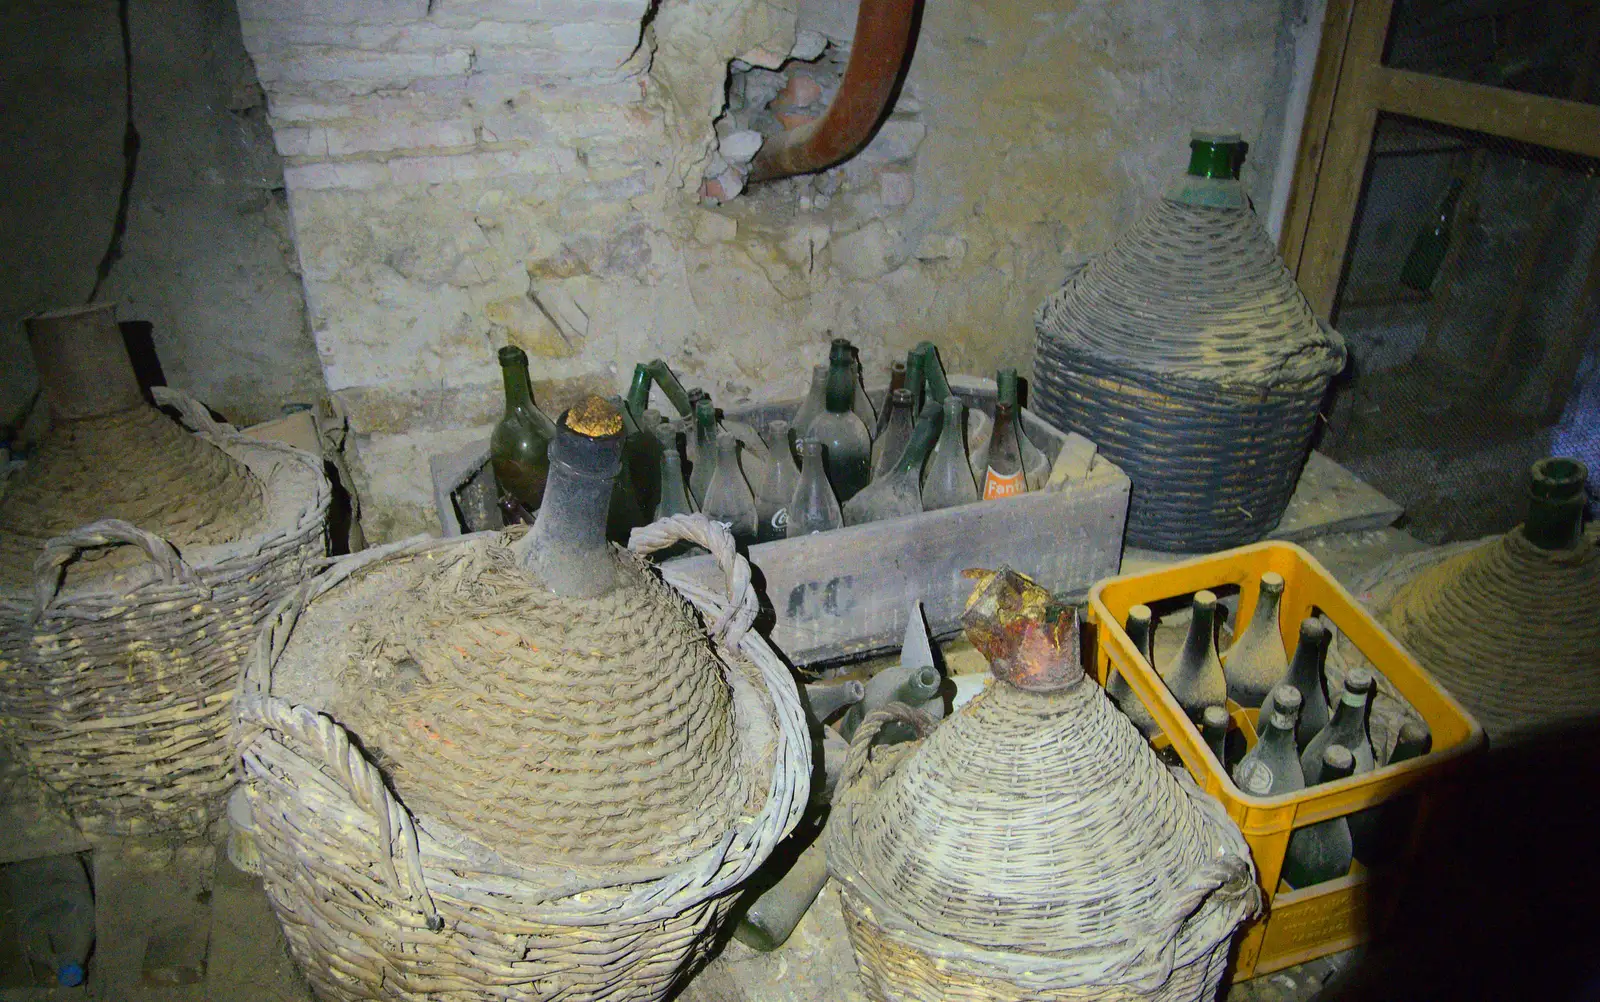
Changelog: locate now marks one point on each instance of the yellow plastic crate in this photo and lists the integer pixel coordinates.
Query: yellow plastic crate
(1298, 925)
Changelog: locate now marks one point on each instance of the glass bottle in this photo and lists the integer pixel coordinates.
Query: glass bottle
(909, 684)
(815, 403)
(1004, 475)
(891, 441)
(771, 918)
(639, 391)
(899, 491)
(1348, 726)
(702, 449)
(1322, 851)
(915, 381)
(935, 385)
(777, 485)
(1195, 676)
(728, 498)
(1556, 502)
(847, 448)
(1427, 252)
(674, 498)
(1214, 728)
(1384, 838)
(897, 381)
(627, 494)
(1305, 674)
(1413, 741)
(948, 481)
(1140, 626)
(682, 400)
(1215, 155)
(1035, 467)
(859, 401)
(1271, 768)
(824, 699)
(567, 547)
(520, 443)
(1257, 661)
(814, 508)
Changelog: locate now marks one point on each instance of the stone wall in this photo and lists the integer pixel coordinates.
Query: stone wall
(463, 173)
(207, 257)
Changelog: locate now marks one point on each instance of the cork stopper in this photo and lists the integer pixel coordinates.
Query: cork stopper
(595, 417)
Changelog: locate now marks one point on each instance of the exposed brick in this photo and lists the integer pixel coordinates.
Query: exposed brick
(334, 11)
(357, 66)
(377, 137)
(351, 175)
(554, 62)
(474, 166)
(459, 12)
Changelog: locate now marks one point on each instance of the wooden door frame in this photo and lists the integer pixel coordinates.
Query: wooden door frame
(1351, 88)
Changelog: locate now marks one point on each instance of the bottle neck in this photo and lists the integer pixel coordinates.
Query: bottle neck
(841, 386)
(917, 448)
(950, 424)
(1213, 158)
(811, 462)
(914, 379)
(1198, 643)
(933, 372)
(1138, 629)
(567, 548)
(682, 401)
(639, 392)
(705, 421)
(1006, 386)
(519, 389)
(1556, 502)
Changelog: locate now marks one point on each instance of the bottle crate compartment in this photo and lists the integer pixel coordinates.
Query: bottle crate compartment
(1305, 923)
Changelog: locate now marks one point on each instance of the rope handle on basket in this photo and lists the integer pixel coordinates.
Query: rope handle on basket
(48, 569)
(194, 413)
(733, 620)
(860, 754)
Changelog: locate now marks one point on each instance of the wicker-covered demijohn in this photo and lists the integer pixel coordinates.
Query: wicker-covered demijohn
(1032, 847)
(464, 786)
(137, 561)
(1189, 355)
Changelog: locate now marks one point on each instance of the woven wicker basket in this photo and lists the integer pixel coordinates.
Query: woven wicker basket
(118, 691)
(1188, 354)
(380, 903)
(970, 869)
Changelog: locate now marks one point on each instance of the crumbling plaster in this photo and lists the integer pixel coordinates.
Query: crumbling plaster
(463, 173)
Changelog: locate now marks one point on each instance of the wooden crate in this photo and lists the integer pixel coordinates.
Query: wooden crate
(843, 594)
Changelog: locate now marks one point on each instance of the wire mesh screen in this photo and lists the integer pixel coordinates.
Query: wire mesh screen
(1543, 47)
(1471, 304)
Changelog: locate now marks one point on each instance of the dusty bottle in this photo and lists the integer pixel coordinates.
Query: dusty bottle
(1140, 626)
(1413, 741)
(947, 481)
(702, 449)
(846, 446)
(1035, 467)
(673, 492)
(897, 381)
(728, 497)
(567, 547)
(53, 908)
(1348, 726)
(1556, 503)
(935, 386)
(899, 491)
(1214, 728)
(1322, 851)
(917, 687)
(1384, 838)
(1305, 674)
(519, 445)
(1004, 475)
(813, 507)
(682, 400)
(886, 448)
(1257, 661)
(824, 699)
(774, 914)
(1195, 675)
(778, 485)
(914, 381)
(641, 452)
(859, 401)
(1427, 252)
(1272, 768)
(815, 403)
(628, 495)
(639, 391)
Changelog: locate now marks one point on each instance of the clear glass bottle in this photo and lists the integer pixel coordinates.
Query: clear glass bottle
(1348, 726)
(899, 491)
(891, 441)
(814, 508)
(1257, 661)
(1272, 768)
(1305, 674)
(674, 498)
(777, 485)
(1195, 676)
(948, 482)
(702, 449)
(1140, 627)
(519, 445)
(728, 498)
(1323, 851)
(847, 448)
(1004, 475)
(815, 403)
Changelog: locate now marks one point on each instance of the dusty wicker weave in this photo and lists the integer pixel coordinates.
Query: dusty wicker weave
(1188, 354)
(380, 903)
(1003, 858)
(117, 690)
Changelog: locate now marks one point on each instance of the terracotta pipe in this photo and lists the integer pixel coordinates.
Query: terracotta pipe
(882, 43)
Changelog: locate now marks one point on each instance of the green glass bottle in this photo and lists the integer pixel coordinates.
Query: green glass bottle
(1305, 674)
(1556, 502)
(1321, 852)
(702, 449)
(519, 445)
(899, 491)
(1214, 729)
(1348, 726)
(1257, 661)
(846, 445)
(682, 400)
(639, 391)
(1427, 252)
(1215, 155)
(936, 387)
(859, 402)
(1384, 839)
(628, 510)
(915, 381)
(1140, 627)
(1195, 676)
(1271, 768)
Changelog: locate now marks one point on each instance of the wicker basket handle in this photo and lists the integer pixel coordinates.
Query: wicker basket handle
(732, 613)
(59, 551)
(860, 755)
(193, 412)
